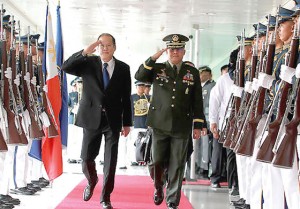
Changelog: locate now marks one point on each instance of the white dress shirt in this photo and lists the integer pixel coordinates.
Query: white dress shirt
(110, 67)
(219, 98)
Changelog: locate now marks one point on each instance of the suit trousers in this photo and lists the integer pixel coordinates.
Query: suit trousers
(216, 161)
(90, 149)
(232, 176)
(169, 148)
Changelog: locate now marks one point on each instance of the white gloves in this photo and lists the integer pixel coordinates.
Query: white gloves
(17, 80)
(265, 80)
(45, 119)
(27, 77)
(33, 80)
(297, 73)
(255, 85)
(248, 87)
(45, 88)
(8, 73)
(287, 73)
(237, 91)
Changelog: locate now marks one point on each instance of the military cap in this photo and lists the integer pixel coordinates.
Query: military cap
(272, 21)
(6, 20)
(175, 40)
(73, 83)
(189, 63)
(296, 8)
(284, 15)
(78, 79)
(24, 39)
(148, 84)
(262, 29)
(139, 83)
(248, 40)
(41, 46)
(204, 68)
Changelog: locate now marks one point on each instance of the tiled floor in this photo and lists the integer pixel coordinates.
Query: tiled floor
(201, 197)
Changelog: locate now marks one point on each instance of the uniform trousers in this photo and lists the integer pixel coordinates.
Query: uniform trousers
(169, 150)
(91, 143)
(258, 173)
(232, 176)
(284, 183)
(216, 161)
(7, 174)
(241, 171)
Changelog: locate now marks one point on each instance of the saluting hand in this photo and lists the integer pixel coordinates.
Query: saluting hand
(91, 48)
(158, 54)
(125, 131)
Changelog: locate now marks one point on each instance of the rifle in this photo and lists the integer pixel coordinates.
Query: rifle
(284, 154)
(53, 127)
(254, 116)
(265, 153)
(248, 96)
(14, 129)
(240, 75)
(241, 147)
(225, 123)
(3, 118)
(33, 110)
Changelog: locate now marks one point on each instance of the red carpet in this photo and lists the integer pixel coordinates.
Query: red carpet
(131, 192)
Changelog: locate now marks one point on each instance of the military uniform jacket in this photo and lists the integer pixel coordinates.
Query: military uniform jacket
(177, 100)
(115, 99)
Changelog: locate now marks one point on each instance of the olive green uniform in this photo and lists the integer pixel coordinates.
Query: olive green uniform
(176, 107)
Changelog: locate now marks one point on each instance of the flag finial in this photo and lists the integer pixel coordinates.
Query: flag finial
(58, 3)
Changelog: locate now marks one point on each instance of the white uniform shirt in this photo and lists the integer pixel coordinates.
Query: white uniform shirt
(219, 98)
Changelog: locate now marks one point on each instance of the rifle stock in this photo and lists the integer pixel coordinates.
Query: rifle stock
(34, 130)
(247, 142)
(52, 130)
(284, 156)
(19, 102)
(265, 152)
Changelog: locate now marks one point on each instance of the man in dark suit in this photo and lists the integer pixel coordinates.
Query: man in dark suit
(105, 108)
(176, 108)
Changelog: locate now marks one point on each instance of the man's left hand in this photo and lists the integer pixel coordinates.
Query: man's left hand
(125, 131)
(196, 133)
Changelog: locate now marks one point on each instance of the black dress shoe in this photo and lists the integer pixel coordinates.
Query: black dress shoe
(22, 191)
(172, 206)
(123, 167)
(89, 190)
(8, 199)
(215, 185)
(158, 197)
(106, 205)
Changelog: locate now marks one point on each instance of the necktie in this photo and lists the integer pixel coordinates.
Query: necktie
(175, 70)
(105, 75)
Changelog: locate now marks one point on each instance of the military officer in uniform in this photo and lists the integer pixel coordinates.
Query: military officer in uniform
(176, 107)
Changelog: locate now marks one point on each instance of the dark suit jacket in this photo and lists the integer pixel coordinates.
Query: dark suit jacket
(177, 100)
(115, 99)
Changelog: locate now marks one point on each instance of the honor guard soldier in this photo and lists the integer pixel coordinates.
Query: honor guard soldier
(176, 108)
(287, 183)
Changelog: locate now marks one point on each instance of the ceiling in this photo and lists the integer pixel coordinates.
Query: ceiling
(140, 25)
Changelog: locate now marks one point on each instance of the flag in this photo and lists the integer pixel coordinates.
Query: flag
(63, 116)
(51, 147)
